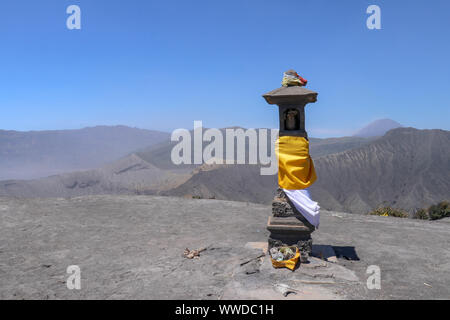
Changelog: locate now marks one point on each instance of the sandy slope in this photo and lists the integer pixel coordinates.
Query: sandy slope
(130, 247)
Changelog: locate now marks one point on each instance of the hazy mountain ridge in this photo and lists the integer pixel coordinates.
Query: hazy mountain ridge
(129, 175)
(322, 147)
(151, 171)
(159, 154)
(34, 154)
(407, 168)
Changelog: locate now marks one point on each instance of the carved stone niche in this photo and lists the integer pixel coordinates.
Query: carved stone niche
(292, 120)
(291, 103)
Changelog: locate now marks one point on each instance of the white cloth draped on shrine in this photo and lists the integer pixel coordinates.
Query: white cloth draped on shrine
(305, 205)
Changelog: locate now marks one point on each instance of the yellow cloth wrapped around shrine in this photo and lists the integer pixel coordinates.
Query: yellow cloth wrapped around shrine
(295, 166)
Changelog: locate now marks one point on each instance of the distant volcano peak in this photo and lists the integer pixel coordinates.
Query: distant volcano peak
(377, 128)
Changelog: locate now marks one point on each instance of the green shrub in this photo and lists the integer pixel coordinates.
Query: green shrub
(389, 212)
(421, 214)
(439, 211)
(434, 212)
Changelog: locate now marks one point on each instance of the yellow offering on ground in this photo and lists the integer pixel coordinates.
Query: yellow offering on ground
(295, 166)
(290, 263)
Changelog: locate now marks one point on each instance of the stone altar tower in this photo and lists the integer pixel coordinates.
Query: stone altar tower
(287, 225)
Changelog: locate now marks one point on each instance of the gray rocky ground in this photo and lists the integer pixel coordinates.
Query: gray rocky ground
(131, 247)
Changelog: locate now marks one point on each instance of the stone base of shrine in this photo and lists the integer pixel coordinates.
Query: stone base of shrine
(290, 231)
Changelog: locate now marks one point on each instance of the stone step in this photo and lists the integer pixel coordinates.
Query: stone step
(288, 224)
(292, 220)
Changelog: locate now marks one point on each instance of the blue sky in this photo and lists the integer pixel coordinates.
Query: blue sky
(163, 64)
